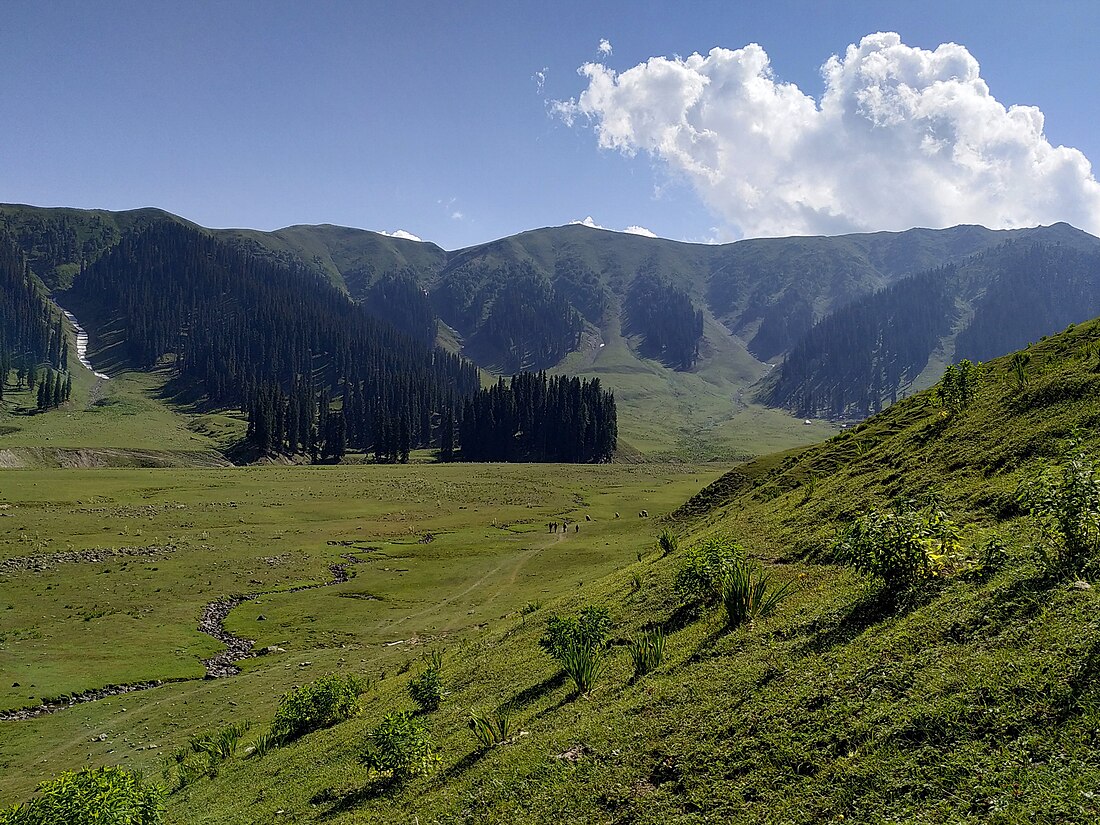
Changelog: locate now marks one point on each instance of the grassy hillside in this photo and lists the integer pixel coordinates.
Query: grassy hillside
(972, 698)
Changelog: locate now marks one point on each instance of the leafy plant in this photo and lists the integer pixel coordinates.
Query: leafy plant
(589, 628)
(1067, 506)
(491, 729)
(319, 704)
(647, 651)
(1020, 360)
(221, 744)
(635, 582)
(701, 576)
(583, 663)
(956, 389)
(401, 747)
(427, 688)
(747, 594)
(669, 542)
(262, 744)
(902, 548)
(110, 795)
(992, 556)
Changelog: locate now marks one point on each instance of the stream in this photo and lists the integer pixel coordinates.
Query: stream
(212, 623)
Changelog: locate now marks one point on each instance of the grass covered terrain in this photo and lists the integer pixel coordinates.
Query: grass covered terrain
(972, 698)
(104, 575)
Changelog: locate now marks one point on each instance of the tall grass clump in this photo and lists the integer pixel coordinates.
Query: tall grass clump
(320, 704)
(401, 748)
(577, 643)
(1066, 503)
(748, 595)
(427, 688)
(702, 574)
(647, 652)
(669, 542)
(110, 795)
(583, 663)
(491, 729)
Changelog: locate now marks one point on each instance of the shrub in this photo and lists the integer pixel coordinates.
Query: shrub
(1067, 505)
(262, 744)
(583, 663)
(589, 628)
(427, 688)
(747, 594)
(902, 549)
(490, 730)
(699, 579)
(106, 796)
(647, 652)
(401, 747)
(669, 542)
(221, 744)
(319, 704)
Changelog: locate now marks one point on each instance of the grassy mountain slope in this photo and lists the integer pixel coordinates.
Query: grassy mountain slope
(975, 699)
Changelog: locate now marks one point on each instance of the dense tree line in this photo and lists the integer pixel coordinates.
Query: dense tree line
(857, 358)
(56, 243)
(534, 417)
(315, 372)
(669, 323)
(399, 299)
(32, 337)
(530, 325)
(1040, 290)
(782, 323)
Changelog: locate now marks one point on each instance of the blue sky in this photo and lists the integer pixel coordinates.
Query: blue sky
(427, 117)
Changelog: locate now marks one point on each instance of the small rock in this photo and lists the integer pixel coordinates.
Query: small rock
(15, 684)
(261, 618)
(1081, 585)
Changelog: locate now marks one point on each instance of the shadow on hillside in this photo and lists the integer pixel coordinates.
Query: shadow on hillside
(536, 691)
(349, 800)
(462, 765)
(873, 607)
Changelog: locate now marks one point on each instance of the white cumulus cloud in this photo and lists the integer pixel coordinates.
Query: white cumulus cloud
(900, 137)
(401, 233)
(630, 230)
(605, 47)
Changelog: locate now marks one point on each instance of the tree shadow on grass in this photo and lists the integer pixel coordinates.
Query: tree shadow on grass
(871, 608)
(536, 691)
(376, 788)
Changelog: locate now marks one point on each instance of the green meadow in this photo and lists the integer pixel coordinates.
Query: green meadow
(439, 554)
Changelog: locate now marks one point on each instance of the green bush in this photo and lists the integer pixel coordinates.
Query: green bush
(647, 652)
(401, 748)
(427, 688)
(747, 594)
(669, 543)
(902, 548)
(699, 579)
(491, 730)
(589, 628)
(1067, 506)
(104, 796)
(583, 663)
(319, 704)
